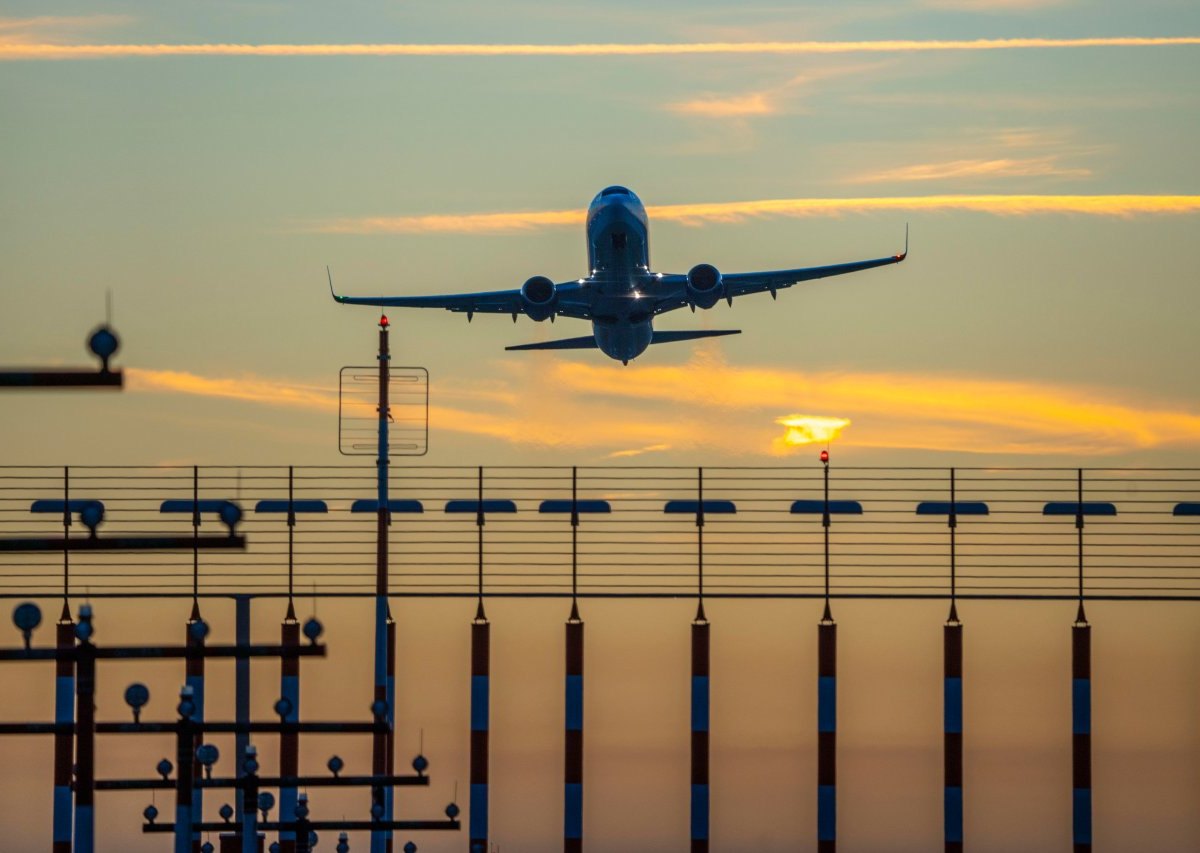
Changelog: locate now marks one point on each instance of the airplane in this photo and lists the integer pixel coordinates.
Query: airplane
(621, 296)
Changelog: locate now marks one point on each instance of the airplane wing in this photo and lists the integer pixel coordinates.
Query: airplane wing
(572, 301)
(741, 284)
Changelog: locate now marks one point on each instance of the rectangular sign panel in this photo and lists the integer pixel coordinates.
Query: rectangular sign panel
(358, 411)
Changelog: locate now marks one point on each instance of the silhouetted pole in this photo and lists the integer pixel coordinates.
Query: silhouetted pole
(480, 655)
(249, 790)
(85, 734)
(289, 742)
(379, 751)
(700, 690)
(480, 703)
(241, 690)
(952, 640)
(573, 769)
(1081, 707)
(64, 714)
(64, 696)
(389, 793)
(700, 707)
(196, 630)
(185, 755)
(826, 704)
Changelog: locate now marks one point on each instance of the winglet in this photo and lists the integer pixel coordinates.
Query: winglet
(904, 254)
(329, 275)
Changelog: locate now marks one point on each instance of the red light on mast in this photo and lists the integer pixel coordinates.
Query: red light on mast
(383, 321)
(825, 456)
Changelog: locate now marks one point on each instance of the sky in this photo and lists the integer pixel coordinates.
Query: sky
(1040, 152)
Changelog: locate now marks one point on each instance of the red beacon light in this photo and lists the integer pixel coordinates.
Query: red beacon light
(383, 321)
(825, 456)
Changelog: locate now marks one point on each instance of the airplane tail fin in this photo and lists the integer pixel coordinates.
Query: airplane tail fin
(672, 337)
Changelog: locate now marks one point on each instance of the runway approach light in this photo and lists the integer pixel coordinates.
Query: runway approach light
(811, 429)
(825, 457)
(383, 321)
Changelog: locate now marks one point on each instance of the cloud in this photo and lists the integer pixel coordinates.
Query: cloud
(246, 388)
(625, 454)
(734, 106)
(993, 5)
(771, 100)
(33, 32)
(709, 405)
(739, 211)
(998, 168)
(32, 51)
(807, 429)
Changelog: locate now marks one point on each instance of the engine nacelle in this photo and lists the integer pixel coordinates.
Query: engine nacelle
(704, 285)
(538, 298)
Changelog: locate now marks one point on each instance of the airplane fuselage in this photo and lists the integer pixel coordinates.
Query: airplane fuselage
(618, 249)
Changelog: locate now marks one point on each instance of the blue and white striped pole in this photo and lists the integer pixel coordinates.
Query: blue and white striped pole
(64, 714)
(197, 630)
(1081, 704)
(952, 639)
(85, 734)
(480, 666)
(700, 721)
(379, 752)
(1081, 732)
(289, 742)
(953, 736)
(826, 703)
(826, 734)
(573, 771)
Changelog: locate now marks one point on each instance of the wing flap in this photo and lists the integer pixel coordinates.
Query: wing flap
(588, 342)
(672, 337)
(571, 302)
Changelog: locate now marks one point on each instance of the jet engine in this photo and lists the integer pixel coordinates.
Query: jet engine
(704, 286)
(538, 298)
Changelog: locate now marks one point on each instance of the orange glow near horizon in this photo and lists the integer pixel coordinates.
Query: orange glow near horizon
(810, 429)
(1121, 206)
(701, 404)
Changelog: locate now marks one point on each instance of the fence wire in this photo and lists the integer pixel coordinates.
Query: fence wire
(1148, 549)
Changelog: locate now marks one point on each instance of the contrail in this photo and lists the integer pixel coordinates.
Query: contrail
(1124, 206)
(29, 51)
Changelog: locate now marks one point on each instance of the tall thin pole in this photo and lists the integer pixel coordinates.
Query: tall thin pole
(379, 750)
(185, 755)
(480, 704)
(1081, 707)
(241, 688)
(826, 705)
(64, 714)
(249, 788)
(195, 662)
(952, 716)
(289, 741)
(64, 695)
(195, 680)
(573, 765)
(85, 743)
(700, 724)
(700, 691)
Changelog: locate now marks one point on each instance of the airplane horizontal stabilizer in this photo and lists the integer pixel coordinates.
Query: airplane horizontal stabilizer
(672, 337)
(588, 342)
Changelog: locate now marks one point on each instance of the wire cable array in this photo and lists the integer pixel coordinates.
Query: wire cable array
(770, 546)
